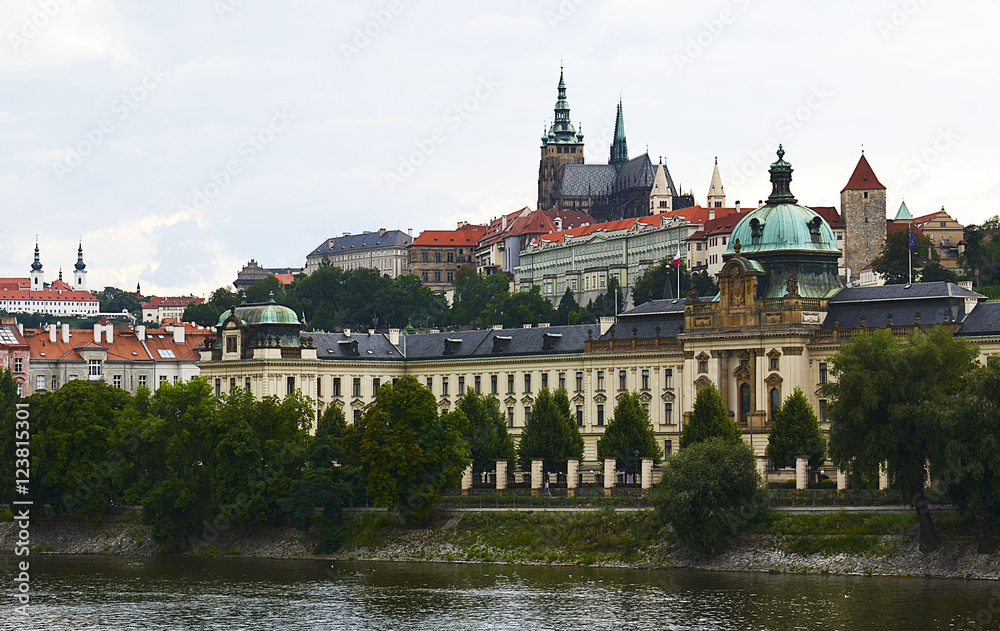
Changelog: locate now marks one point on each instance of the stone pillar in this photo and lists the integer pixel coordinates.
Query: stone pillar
(572, 477)
(883, 477)
(841, 480)
(609, 475)
(647, 473)
(801, 473)
(536, 476)
(467, 480)
(501, 475)
(762, 467)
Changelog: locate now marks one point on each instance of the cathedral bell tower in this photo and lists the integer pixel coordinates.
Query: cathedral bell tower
(561, 145)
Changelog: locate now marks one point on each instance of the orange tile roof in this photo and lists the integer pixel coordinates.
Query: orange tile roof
(155, 302)
(469, 234)
(125, 346)
(285, 279)
(863, 178)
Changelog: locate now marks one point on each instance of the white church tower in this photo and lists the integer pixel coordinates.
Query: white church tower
(80, 273)
(36, 276)
(716, 194)
(661, 198)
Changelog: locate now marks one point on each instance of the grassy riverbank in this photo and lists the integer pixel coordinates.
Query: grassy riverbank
(834, 543)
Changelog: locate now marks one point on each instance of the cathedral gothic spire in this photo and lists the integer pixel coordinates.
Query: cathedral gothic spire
(619, 147)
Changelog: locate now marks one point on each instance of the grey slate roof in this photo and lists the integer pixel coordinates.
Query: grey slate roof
(434, 345)
(587, 179)
(361, 242)
(670, 326)
(932, 311)
(984, 320)
(555, 340)
(370, 347)
(938, 289)
(636, 173)
(670, 305)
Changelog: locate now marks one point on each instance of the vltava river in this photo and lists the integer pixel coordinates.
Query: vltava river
(79, 593)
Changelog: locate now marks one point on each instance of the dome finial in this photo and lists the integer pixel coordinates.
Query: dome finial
(781, 179)
(270, 297)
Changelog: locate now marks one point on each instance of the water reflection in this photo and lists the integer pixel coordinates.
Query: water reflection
(229, 593)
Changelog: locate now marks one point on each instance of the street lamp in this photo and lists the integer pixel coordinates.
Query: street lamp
(636, 479)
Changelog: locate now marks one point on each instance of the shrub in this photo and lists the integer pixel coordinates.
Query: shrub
(709, 491)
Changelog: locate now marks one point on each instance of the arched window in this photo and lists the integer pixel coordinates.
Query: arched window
(775, 402)
(744, 403)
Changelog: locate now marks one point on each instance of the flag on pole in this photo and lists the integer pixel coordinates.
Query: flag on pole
(677, 258)
(913, 242)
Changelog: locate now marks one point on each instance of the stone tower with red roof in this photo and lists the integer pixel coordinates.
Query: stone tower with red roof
(862, 205)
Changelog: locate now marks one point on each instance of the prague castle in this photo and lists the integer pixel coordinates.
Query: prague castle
(780, 313)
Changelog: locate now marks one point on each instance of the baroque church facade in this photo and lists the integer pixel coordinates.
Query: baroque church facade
(621, 189)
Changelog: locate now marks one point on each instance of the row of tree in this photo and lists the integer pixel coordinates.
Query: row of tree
(200, 465)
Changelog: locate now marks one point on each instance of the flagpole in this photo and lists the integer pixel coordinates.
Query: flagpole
(909, 260)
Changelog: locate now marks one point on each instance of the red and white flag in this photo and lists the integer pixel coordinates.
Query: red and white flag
(677, 258)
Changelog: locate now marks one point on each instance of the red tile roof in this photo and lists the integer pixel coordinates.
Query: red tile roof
(863, 178)
(124, 345)
(896, 226)
(469, 234)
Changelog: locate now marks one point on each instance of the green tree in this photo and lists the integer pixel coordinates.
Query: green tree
(627, 433)
(75, 429)
(406, 452)
(474, 291)
(327, 480)
(514, 310)
(262, 289)
(709, 491)
(654, 280)
(550, 434)
(894, 260)
(709, 419)
(609, 303)
(567, 307)
(171, 474)
(11, 432)
(981, 258)
(259, 449)
(969, 466)
(934, 271)
(203, 314)
(885, 403)
(704, 283)
(485, 430)
(795, 432)
(114, 300)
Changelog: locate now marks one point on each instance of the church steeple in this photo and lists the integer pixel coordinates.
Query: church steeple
(619, 148)
(561, 145)
(562, 131)
(80, 275)
(37, 278)
(716, 194)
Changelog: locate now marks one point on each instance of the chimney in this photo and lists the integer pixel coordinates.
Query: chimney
(140, 333)
(606, 322)
(52, 332)
(347, 333)
(109, 333)
(409, 232)
(97, 333)
(711, 215)
(526, 326)
(381, 232)
(559, 224)
(461, 224)
(737, 205)
(503, 223)
(65, 334)
(760, 203)
(179, 335)
(394, 337)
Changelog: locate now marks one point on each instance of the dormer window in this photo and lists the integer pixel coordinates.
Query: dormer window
(451, 346)
(500, 343)
(549, 341)
(756, 230)
(349, 347)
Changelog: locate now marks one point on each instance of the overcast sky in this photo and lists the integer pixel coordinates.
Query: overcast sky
(180, 139)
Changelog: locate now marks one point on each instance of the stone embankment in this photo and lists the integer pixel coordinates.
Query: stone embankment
(449, 540)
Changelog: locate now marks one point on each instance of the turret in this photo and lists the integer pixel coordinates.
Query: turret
(716, 194)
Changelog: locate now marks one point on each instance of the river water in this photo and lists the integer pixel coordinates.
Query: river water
(92, 592)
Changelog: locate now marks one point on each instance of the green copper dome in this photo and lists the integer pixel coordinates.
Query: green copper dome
(781, 225)
(261, 313)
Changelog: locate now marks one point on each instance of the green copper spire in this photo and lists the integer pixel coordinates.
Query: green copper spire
(562, 131)
(619, 148)
(781, 179)
(37, 265)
